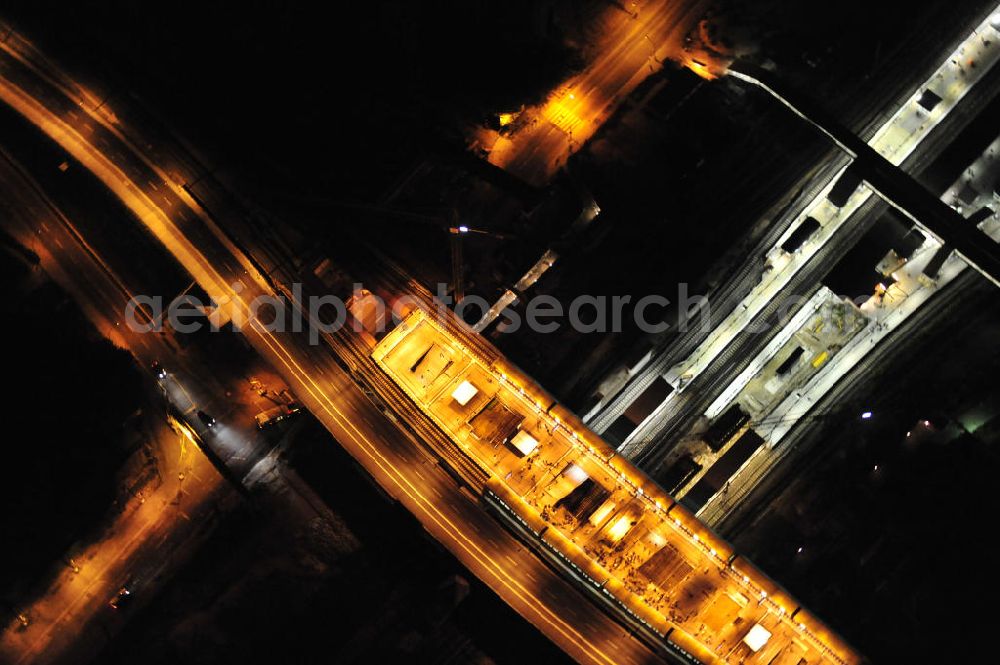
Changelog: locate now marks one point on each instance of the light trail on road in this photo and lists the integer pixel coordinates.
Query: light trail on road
(632, 47)
(607, 642)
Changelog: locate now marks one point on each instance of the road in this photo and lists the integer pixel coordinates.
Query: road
(211, 257)
(631, 48)
(163, 520)
(167, 518)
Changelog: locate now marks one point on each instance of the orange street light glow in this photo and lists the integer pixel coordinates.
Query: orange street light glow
(586, 502)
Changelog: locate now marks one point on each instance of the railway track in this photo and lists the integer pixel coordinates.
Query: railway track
(870, 114)
(354, 356)
(386, 394)
(742, 349)
(956, 300)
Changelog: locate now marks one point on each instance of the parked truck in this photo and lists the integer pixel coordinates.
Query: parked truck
(276, 414)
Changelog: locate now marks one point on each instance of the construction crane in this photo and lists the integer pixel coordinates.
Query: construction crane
(449, 222)
(457, 261)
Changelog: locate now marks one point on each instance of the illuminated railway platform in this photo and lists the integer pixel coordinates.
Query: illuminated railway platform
(645, 555)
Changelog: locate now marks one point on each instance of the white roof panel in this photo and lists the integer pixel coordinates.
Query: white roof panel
(524, 442)
(757, 637)
(464, 392)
